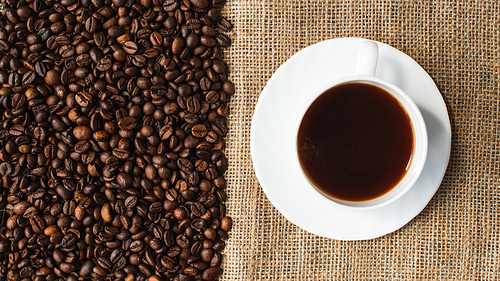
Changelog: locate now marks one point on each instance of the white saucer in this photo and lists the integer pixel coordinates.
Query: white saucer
(272, 128)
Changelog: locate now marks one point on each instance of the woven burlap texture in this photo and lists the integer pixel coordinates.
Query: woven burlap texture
(457, 236)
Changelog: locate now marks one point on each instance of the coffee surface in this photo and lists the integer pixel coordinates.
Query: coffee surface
(355, 142)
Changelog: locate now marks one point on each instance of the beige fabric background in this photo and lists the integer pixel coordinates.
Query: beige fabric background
(457, 236)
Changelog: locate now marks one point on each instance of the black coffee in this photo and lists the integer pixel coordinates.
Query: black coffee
(355, 142)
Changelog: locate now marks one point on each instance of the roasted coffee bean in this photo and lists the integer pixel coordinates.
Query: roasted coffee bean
(193, 23)
(83, 60)
(166, 132)
(82, 133)
(29, 78)
(224, 24)
(67, 51)
(182, 241)
(113, 127)
(91, 24)
(86, 268)
(37, 224)
(156, 39)
(223, 40)
(83, 98)
(136, 246)
(99, 39)
(202, 4)
(104, 64)
(178, 45)
(208, 41)
(4, 46)
(130, 47)
(131, 202)
(139, 60)
(41, 68)
(170, 5)
(52, 77)
(30, 212)
(185, 165)
(107, 213)
(211, 273)
(156, 207)
(127, 123)
(199, 131)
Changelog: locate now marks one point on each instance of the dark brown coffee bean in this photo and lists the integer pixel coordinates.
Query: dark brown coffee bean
(4, 46)
(192, 41)
(131, 112)
(199, 131)
(100, 39)
(156, 39)
(218, 66)
(116, 255)
(30, 212)
(202, 4)
(139, 60)
(126, 221)
(82, 133)
(228, 87)
(29, 78)
(207, 41)
(211, 273)
(67, 267)
(127, 123)
(107, 213)
(105, 263)
(224, 24)
(190, 271)
(26, 272)
(166, 132)
(216, 260)
(198, 225)
(223, 40)
(136, 246)
(182, 241)
(41, 69)
(193, 23)
(83, 98)
(67, 51)
(37, 224)
(170, 5)
(156, 207)
(100, 271)
(120, 264)
(52, 77)
(91, 24)
(151, 53)
(131, 202)
(6, 169)
(185, 165)
(219, 246)
(104, 64)
(178, 45)
(83, 60)
(130, 47)
(86, 268)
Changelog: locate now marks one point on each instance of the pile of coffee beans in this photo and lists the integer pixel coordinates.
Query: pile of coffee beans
(113, 118)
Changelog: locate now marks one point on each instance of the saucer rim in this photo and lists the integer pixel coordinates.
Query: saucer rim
(268, 190)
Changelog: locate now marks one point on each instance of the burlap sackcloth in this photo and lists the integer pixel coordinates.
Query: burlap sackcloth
(457, 236)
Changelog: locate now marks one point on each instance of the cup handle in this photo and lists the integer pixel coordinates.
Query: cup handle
(367, 59)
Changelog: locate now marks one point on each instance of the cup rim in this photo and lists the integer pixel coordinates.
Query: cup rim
(419, 154)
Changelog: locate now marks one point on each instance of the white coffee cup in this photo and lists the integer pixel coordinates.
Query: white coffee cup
(364, 73)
